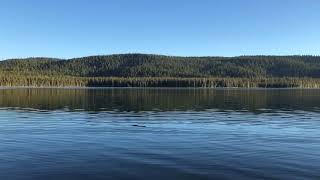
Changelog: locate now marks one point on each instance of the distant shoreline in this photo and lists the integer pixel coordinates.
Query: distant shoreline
(161, 88)
(143, 70)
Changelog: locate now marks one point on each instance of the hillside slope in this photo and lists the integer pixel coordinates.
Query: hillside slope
(142, 65)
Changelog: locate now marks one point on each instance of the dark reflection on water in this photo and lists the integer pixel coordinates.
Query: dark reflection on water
(159, 134)
(160, 99)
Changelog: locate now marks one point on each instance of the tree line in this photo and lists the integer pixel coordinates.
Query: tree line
(141, 70)
(69, 81)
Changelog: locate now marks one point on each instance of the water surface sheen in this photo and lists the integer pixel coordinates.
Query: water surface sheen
(159, 134)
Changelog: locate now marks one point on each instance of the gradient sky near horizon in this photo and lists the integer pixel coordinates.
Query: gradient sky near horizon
(69, 28)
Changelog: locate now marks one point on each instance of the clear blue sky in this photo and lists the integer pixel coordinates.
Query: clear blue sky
(73, 28)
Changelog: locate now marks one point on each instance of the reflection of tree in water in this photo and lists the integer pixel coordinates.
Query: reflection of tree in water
(159, 99)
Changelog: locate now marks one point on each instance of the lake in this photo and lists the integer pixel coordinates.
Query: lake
(159, 134)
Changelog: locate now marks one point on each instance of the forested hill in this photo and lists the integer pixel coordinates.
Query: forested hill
(142, 65)
(141, 70)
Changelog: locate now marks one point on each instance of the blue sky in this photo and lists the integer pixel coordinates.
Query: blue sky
(73, 28)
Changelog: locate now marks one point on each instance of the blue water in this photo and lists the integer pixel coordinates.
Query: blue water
(147, 134)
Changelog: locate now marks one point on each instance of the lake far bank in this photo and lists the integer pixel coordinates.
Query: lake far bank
(33, 81)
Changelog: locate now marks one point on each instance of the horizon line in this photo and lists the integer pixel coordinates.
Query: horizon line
(166, 55)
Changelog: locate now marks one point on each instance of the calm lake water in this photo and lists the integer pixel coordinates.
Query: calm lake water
(159, 134)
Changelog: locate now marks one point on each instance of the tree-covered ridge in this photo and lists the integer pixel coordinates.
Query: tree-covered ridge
(142, 65)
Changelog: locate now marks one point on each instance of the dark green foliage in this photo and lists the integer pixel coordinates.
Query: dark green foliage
(69, 81)
(140, 65)
(140, 70)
